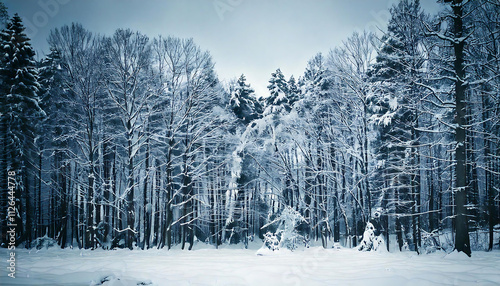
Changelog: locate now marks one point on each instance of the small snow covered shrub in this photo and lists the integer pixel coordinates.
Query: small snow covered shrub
(271, 241)
(430, 241)
(286, 235)
(44, 242)
(102, 235)
(372, 239)
(289, 220)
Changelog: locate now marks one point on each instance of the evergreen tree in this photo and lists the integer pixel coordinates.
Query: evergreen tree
(52, 147)
(394, 104)
(278, 88)
(4, 15)
(19, 109)
(316, 75)
(293, 90)
(243, 102)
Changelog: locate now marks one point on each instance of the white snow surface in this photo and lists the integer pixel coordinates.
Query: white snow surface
(234, 266)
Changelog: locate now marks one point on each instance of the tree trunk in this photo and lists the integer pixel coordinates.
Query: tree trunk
(462, 243)
(146, 214)
(130, 191)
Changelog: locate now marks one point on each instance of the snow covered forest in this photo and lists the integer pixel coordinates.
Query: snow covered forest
(125, 141)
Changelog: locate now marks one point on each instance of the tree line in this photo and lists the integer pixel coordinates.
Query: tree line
(124, 141)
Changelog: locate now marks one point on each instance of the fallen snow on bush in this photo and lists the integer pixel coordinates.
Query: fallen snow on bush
(312, 266)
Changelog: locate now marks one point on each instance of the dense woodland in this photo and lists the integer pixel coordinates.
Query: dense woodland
(123, 141)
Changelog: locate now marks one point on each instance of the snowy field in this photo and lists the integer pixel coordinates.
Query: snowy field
(313, 266)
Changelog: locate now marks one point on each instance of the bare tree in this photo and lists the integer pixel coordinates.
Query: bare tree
(128, 59)
(80, 58)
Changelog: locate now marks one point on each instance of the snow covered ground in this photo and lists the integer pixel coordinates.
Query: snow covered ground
(313, 266)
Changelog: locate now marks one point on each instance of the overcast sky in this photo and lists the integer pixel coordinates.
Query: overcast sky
(254, 37)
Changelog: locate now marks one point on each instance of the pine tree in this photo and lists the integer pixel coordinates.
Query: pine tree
(243, 102)
(293, 90)
(4, 15)
(19, 109)
(317, 77)
(52, 147)
(394, 105)
(278, 88)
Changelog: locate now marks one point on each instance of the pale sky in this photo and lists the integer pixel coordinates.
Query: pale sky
(254, 37)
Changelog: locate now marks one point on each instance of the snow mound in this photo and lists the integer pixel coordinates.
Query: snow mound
(112, 280)
(44, 242)
(455, 255)
(264, 251)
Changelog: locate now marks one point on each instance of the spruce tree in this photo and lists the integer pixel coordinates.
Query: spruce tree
(293, 90)
(53, 145)
(243, 102)
(394, 105)
(20, 109)
(278, 88)
(4, 15)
